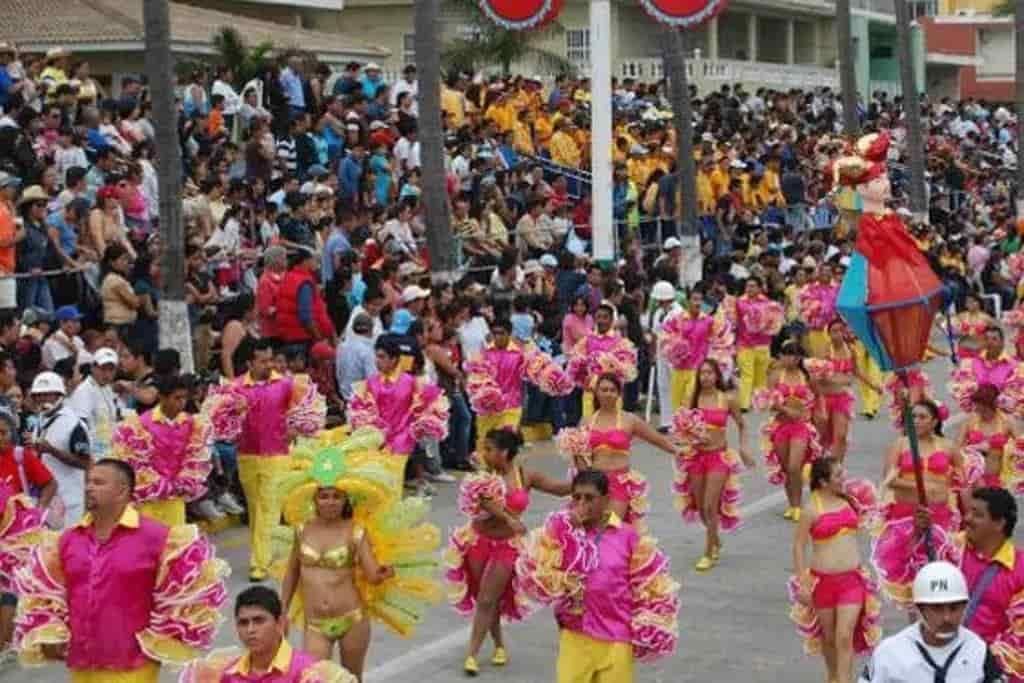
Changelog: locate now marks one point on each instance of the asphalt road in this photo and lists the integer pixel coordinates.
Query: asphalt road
(733, 624)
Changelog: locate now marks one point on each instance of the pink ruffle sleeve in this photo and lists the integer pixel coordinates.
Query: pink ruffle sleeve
(21, 530)
(431, 412)
(556, 560)
(307, 411)
(362, 410)
(133, 444)
(1008, 647)
(542, 370)
(224, 410)
(655, 624)
(482, 388)
(477, 487)
(42, 617)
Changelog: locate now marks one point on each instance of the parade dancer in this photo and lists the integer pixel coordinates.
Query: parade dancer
(910, 387)
(601, 351)
(359, 551)
(707, 485)
(615, 601)
(835, 601)
(990, 366)
(817, 302)
(262, 626)
(481, 555)
(169, 451)
(687, 339)
(790, 438)
(898, 551)
(970, 326)
(119, 594)
(262, 410)
(21, 530)
(990, 434)
(758, 320)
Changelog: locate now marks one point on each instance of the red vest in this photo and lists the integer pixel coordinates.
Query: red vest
(289, 329)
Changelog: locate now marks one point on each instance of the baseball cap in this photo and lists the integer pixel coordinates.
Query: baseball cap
(70, 312)
(8, 180)
(105, 356)
(671, 243)
(548, 261)
(401, 321)
(414, 292)
(48, 383)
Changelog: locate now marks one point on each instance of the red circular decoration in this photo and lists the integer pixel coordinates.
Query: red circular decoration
(682, 13)
(552, 14)
(520, 15)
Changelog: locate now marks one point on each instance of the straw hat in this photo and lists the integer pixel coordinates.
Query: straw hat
(33, 194)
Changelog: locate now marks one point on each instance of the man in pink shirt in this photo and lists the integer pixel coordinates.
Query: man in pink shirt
(268, 658)
(118, 594)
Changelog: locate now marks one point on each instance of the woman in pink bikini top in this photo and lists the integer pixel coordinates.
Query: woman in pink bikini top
(941, 463)
(988, 431)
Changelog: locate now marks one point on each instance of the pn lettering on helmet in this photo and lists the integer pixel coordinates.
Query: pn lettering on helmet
(940, 585)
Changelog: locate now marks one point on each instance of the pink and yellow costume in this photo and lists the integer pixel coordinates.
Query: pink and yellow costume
(839, 402)
(597, 354)
(171, 459)
(898, 551)
(966, 326)
(615, 600)
(686, 341)
(261, 417)
(692, 426)
(1014, 320)
(781, 430)
(999, 618)
(817, 304)
(288, 666)
(405, 407)
(625, 484)
(919, 385)
(758, 320)
(830, 590)
(150, 594)
(467, 545)
(1011, 451)
(21, 530)
(1002, 373)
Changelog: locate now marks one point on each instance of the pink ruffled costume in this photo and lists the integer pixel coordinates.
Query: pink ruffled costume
(21, 530)
(690, 426)
(818, 305)
(468, 547)
(406, 408)
(1002, 373)
(597, 354)
(781, 430)
(288, 666)
(999, 619)
(610, 585)
(626, 485)
(919, 383)
(495, 379)
(150, 593)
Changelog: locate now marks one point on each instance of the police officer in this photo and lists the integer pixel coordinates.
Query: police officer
(936, 649)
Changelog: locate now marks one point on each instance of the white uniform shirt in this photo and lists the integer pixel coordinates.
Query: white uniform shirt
(897, 659)
(101, 410)
(65, 430)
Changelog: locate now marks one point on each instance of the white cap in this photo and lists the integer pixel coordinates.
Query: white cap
(414, 292)
(378, 125)
(532, 266)
(939, 583)
(671, 243)
(48, 383)
(663, 291)
(372, 66)
(105, 356)
(707, 137)
(548, 261)
(737, 164)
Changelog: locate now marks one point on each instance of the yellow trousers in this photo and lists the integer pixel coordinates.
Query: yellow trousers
(485, 423)
(817, 343)
(870, 400)
(588, 404)
(753, 363)
(150, 673)
(582, 659)
(259, 476)
(170, 512)
(684, 383)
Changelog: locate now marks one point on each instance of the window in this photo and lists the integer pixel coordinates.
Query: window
(577, 46)
(409, 48)
(923, 8)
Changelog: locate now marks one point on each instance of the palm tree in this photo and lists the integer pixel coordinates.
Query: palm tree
(911, 110)
(431, 132)
(245, 63)
(487, 44)
(173, 311)
(675, 44)
(847, 75)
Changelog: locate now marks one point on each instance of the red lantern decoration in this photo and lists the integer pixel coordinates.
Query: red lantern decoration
(556, 9)
(682, 13)
(521, 15)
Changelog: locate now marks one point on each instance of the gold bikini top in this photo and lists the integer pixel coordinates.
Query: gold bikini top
(342, 557)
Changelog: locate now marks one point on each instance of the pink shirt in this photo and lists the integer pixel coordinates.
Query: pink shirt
(575, 328)
(991, 620)
(266, 429)
(607, 606)
(698, 331)
(745, 308)
(288, 666)
(170, 439)
(510, 366)
(996, 372)
(394, 397)
(110, 590)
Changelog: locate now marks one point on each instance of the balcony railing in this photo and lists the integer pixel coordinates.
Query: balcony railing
(709, 74)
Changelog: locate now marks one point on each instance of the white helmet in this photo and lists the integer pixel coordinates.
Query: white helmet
(939, 583)
(48, 383)
(663, 291)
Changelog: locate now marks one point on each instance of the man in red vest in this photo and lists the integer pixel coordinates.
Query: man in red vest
(301, 311)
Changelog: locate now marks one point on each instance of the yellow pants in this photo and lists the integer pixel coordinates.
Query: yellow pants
(753, 362)
(150, 673)
(170, 512)
(485, 423)
(588, 404)
(817, 343)
(259, 474)
(582, 659)
(684, 383)
(870, 400)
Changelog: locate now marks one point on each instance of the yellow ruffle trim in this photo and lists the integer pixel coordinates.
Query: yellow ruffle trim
(326, 672)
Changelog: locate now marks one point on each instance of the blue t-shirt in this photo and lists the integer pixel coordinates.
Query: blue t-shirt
(5, 85)
(337, 243)
(68, 236)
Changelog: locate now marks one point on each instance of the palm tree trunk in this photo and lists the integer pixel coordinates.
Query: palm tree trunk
(173, 311)
(675, 45)
(1018, 23)
(431, 133)
(912, 111)
(847, 75)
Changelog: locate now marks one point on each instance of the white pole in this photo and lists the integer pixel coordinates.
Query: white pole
(601, 128)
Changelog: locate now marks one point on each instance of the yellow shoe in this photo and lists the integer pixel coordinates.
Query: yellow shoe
(704, 564)
(470, 666)
(796, 515)
(500, 657)
(716, 553)
(788, 514)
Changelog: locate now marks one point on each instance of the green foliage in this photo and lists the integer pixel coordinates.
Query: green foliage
(246, 63)
(490, 45)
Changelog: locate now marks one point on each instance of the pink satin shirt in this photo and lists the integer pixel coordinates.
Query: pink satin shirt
(991, 620)
(394, 395)
(266, 426)
(287, 667)
(510, 366)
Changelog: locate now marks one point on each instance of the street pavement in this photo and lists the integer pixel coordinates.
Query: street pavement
(734, 623)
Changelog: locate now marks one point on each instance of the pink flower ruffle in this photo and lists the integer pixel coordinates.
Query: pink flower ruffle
(867, 633)
(461, 587)
(133, 444)
(655, 623)
(777, 432)
(43, 617)
(362, 410)
(863, 495)
(820, 369)
(224, 410)
(430, 410)
(477, 487)
(21, 530)
(1008, 646)
(542, 370)
(308, 411)
(620, 361)
(573, 443)
(898, 552)
(555, 561)
(687, 466)
(484, 392)
(688, 424)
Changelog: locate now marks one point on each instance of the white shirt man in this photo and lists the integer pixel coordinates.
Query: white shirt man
(95, 402)
(408, 84)
(407, 153)
(663, 293)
